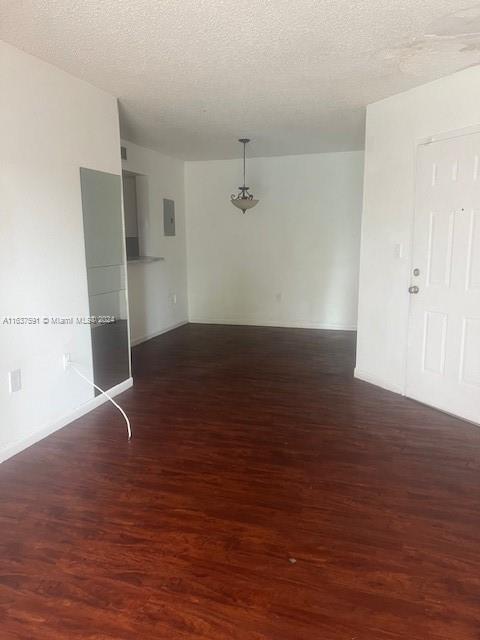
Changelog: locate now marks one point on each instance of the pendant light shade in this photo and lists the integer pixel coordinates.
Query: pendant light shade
(244, 203)
(244, 199)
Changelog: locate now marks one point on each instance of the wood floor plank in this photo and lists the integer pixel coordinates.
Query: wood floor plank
(266, 495)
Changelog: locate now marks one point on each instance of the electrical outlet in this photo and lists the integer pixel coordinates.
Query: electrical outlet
(15, 380)
(66, 361)
(173, 298)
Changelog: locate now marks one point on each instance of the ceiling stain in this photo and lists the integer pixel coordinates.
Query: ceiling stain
(451, 43)
(464, 23)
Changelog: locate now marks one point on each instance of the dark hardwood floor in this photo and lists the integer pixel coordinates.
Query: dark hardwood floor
(252, 447)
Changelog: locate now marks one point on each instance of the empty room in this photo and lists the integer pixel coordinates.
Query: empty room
(240, 320)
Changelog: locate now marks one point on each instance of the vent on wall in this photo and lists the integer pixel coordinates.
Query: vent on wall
(123, 152)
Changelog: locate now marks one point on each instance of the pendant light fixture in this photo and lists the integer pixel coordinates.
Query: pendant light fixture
(243, 200)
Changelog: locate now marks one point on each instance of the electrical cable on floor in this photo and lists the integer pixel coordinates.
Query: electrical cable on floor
(129, 429)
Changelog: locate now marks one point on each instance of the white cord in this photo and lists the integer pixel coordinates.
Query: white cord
(129, 430)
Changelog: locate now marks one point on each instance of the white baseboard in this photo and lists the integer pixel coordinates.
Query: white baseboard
(12, 449)
(136, 341)
(275, 323)
(379, 382)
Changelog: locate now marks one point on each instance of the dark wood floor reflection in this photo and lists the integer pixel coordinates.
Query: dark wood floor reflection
(266, 495)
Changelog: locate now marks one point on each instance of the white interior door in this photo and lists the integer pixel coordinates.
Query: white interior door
(443, 365)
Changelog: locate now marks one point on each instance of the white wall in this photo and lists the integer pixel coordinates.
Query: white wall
(152, 286)
(51, 124)
(291, 261)
(394, 127)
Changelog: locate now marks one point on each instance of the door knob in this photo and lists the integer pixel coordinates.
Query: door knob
(413, 289)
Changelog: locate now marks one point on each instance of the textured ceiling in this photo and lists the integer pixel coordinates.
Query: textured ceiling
(294, 75)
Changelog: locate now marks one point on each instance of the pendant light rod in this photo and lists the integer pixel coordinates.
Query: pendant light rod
(244, 141)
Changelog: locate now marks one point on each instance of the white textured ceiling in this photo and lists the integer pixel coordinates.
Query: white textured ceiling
(294, 75)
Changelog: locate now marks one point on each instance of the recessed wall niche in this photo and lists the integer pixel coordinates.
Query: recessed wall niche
(130, 206)
(138, 223)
